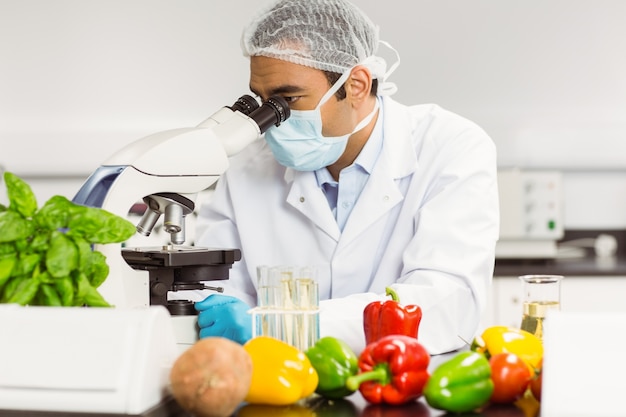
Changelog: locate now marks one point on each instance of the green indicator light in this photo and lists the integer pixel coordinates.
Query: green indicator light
(551, 224)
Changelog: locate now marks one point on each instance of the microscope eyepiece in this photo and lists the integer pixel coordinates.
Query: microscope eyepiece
(245, 104)
(272, 112)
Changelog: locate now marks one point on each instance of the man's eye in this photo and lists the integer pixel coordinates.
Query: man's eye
(291, 99)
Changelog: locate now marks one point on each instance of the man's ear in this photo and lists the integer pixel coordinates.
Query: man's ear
(359, 83)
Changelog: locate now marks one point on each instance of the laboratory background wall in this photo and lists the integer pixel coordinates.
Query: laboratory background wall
(546, 78)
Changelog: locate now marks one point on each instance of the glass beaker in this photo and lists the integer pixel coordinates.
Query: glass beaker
(542, 293)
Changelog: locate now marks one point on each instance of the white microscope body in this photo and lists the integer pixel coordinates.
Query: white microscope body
(167, 170)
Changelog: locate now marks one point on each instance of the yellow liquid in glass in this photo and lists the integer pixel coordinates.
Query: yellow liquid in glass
(533, 315)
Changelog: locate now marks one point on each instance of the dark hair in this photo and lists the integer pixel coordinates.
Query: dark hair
(332, 78)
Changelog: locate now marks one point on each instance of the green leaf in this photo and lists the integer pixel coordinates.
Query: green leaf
(14, 227)
(91, 263)
(99, 226)
(82, 285)
(22, 245)
(84, 252)
(7, 249)
(86, 294)
(55, 213)
(40, 242)
(94, 299)
(65, 289)
(9, 288)
(26, 264)
(99, 270)
(50, 295)
(62, 255)
(21, 196)
(46, 278)
(24, 292)
(6, 267)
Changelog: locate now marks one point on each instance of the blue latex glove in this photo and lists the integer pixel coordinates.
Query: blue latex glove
(224, 316)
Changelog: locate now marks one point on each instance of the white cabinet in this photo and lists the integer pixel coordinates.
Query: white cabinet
(578, 293)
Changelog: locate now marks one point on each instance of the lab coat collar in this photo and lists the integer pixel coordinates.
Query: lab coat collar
(398, 146)
(308, 198)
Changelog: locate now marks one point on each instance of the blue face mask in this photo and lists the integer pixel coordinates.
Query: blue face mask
(298, 142)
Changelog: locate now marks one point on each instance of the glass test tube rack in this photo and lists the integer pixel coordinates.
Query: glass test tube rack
(287, 305)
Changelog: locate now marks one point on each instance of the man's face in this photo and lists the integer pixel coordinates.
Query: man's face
(302, 87)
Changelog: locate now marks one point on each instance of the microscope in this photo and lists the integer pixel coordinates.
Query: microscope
(167, 170)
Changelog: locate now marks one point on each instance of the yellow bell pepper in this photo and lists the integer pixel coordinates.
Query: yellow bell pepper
(281, 374)
(503, 339)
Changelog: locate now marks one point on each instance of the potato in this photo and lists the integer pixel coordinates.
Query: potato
(212, 377)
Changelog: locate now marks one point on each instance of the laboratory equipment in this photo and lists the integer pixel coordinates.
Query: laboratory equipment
(167, 170)
(541, 294)
(531, 214)
(287, 305)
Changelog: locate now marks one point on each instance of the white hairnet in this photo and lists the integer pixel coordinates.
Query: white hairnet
(329, 35)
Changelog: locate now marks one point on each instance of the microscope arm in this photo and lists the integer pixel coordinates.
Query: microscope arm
(182, 161)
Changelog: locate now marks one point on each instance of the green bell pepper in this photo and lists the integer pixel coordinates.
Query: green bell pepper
(461, 384)
(334, 362)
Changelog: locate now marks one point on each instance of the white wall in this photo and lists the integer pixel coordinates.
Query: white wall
(80, 78)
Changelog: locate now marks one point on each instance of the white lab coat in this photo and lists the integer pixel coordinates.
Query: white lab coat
(425, 224)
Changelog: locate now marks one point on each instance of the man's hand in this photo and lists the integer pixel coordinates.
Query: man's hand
(224, 316)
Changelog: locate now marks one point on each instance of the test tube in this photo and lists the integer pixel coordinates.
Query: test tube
(288, 304)
(264, 316)
(259, 320)
(308, 303)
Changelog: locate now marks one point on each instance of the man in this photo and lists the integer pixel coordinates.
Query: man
(372, 193)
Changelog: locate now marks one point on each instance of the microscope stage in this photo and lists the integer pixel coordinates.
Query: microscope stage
(178, 256)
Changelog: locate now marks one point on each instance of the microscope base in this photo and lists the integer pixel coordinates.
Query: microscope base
(185, 331)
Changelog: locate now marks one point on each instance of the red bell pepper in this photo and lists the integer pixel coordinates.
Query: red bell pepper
(392, 370)
(383, 318)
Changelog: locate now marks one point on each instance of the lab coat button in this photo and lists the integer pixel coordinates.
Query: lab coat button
(386, 198)
(302, 199)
